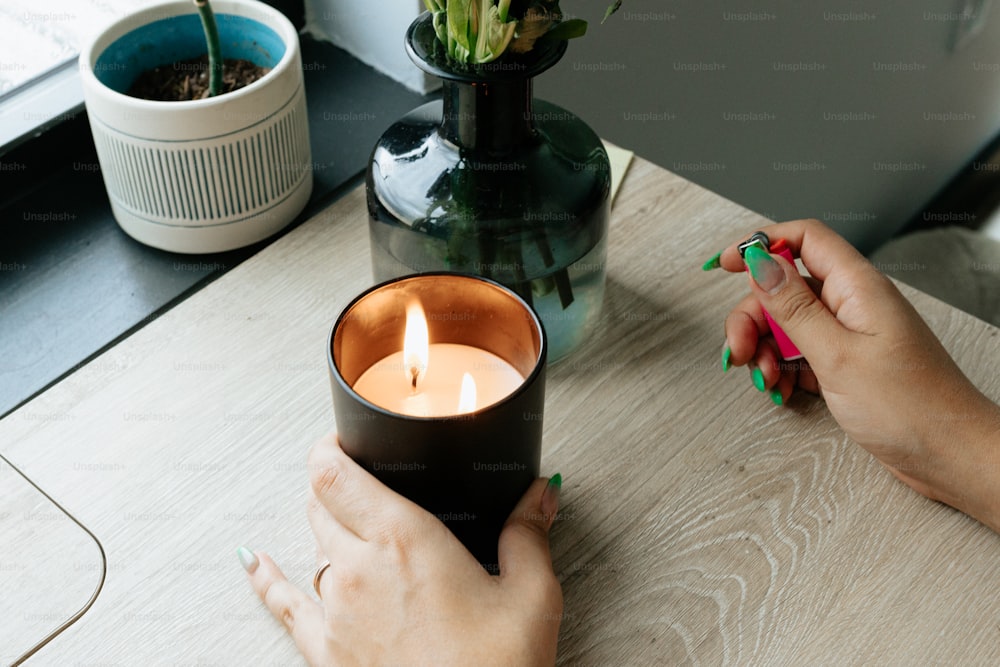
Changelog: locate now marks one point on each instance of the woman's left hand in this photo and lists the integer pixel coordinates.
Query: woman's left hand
(401, 589)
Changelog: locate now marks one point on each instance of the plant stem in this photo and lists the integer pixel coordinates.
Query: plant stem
(561, 276)
(214, 47)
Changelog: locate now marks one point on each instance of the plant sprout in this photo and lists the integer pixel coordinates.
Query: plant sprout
(214, 46)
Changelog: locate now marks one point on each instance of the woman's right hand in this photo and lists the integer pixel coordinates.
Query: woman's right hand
(885, 377)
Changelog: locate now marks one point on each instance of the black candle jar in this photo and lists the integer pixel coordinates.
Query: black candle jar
(467, 469)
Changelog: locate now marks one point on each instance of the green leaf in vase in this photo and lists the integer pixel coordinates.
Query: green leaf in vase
(494, 33)
(459, 17)
(570, 29)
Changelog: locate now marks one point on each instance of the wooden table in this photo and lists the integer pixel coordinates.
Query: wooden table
(700, 524)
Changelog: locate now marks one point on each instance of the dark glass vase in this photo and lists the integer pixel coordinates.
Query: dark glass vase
(489, 181)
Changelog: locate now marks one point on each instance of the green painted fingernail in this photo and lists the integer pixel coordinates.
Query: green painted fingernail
(550, 498)
(726, 363)
(776, 397)
(248, 559)
(712, 263)
(758, 379)
(766, 272)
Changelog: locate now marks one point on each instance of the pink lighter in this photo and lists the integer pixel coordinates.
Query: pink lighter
(785, 346)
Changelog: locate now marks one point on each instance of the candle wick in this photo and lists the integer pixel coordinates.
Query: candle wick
(414, 372)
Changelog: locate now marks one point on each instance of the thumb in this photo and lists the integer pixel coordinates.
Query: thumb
(792, 304)
(524, 542)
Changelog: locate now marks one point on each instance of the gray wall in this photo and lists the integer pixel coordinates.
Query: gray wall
(853, 112)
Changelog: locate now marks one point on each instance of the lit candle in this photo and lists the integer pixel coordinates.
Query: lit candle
(436, 380)
(444, 408)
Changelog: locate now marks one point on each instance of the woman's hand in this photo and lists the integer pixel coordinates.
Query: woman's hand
(885, 377)
(401, 589)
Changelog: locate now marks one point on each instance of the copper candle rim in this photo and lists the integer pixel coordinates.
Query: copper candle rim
(538, 339)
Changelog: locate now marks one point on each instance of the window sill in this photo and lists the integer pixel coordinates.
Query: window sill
(72, 283)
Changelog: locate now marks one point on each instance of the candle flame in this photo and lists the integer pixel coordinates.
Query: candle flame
(467, 399)
(416, 344)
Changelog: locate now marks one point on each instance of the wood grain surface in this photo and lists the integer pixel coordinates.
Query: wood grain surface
(699, 523)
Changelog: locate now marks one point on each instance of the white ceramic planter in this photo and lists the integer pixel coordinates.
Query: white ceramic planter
(202, 175)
